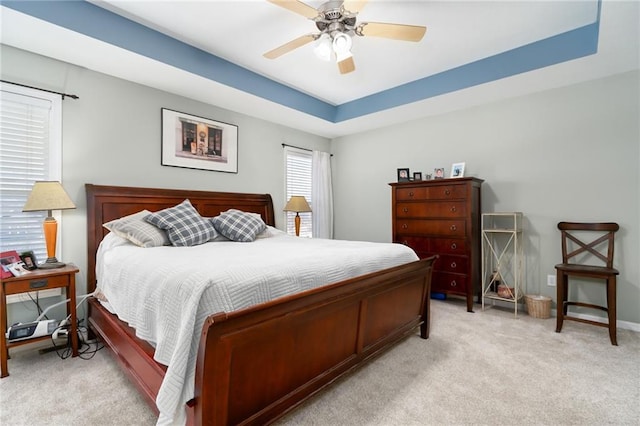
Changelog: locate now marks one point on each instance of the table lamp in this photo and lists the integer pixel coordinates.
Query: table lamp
(47, 196)
(298, 204)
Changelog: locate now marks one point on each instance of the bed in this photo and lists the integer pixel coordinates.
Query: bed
(305, 340)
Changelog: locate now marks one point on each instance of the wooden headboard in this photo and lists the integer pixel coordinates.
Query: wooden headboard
(106, 203)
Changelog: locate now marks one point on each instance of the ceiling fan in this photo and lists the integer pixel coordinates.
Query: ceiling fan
(336, 21)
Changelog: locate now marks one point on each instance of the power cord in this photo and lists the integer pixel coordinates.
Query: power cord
(86, 349)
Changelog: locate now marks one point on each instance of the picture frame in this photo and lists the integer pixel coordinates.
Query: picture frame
(194, 142)
(18, 269)
(29, 260)
(403, 175)
(7, 258)
(417, 175)
(438, 173)
(457, 170)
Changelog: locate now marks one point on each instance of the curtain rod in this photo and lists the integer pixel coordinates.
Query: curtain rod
(297, 147)
(44, 90)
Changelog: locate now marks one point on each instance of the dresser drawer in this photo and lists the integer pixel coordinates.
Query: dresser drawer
(431, 210)
(453, 228)
(448, 282)
(404, 194)
(436, 245)
(446, 192)
(455, 264)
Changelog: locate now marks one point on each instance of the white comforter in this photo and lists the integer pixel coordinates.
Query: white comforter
(166, 293)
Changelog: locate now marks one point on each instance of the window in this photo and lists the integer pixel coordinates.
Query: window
(298, 182)
(30, 150)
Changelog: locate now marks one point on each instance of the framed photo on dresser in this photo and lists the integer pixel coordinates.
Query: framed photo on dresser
(403, 175)
(457, 170)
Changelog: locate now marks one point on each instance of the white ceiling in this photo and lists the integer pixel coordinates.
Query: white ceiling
(458, 33)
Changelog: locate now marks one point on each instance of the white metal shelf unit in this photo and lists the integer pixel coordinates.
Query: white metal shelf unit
(502, 258)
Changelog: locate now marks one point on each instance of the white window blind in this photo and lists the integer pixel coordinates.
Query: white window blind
(30, 133)
(298, 182)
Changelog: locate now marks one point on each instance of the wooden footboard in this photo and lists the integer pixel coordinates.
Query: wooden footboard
(255, 365)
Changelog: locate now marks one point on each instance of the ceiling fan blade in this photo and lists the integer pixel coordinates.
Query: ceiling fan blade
(297, 7)
(394, 31)
(354, 6)
(347, 65)
(288, 47)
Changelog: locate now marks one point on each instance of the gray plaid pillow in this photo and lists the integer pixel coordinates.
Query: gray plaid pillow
(238, 225)
(135, 229)
(184, 225)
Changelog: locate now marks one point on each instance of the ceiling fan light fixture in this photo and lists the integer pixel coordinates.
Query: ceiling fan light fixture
(323, 48)
(342, 45)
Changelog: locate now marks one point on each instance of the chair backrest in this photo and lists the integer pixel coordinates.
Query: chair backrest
(584, 242)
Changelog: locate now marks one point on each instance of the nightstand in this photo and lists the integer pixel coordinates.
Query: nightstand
(39, 279)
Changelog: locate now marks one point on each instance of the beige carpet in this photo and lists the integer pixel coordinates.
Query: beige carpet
(476, 368)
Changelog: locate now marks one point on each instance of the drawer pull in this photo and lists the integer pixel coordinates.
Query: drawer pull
(454, 283)
(453, 265)
(447, 192)
(411, 194)
(453, 227)
(405, 210)
(454, 246)
(404, 226)
(38, 283)
(453, 209)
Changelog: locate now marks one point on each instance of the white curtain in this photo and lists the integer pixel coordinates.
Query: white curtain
(321, 195)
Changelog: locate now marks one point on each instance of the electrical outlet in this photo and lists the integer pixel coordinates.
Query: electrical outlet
(551, 280)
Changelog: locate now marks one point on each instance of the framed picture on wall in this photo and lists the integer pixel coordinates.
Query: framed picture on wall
(200, 143)
(457, 170)
(403, 175)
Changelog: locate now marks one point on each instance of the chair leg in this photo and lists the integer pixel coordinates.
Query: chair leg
(561, 298)
(611, 309)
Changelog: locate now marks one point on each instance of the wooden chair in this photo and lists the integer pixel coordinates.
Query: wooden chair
(584, 244)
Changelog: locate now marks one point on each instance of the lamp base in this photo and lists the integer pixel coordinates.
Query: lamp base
(51, 263)
(297, 222)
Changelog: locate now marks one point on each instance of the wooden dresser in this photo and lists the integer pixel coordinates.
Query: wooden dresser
(442, 216)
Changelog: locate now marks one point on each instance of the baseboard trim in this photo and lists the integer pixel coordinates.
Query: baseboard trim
(625, 325)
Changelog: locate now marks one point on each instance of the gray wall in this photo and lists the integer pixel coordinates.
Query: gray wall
(570, 153)
(565, 154)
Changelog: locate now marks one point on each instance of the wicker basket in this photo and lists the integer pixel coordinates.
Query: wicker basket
(538, 306)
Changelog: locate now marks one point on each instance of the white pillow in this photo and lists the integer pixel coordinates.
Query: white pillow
(270, 232)
(137, 230)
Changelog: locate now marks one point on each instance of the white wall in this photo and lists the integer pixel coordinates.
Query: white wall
(112, 136)
(565, 154)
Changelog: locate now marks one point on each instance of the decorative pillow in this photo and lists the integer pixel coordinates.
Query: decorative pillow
(238, 225)
(184, 225)
(140, 232)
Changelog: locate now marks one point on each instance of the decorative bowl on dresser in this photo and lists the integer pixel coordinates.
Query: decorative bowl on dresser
(442, 217)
